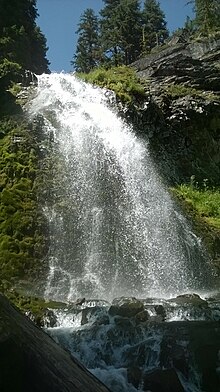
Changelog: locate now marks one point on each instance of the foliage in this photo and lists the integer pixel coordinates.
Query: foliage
(202, 205)
(22, 225)
(88, 50)
(21, 41)
(154, 25)
(121, 30)
(180, 90)
(204, 200)
(207, 16)
(125, 33)
(122, 80)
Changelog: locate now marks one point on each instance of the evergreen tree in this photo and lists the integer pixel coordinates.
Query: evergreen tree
(110, 36)
(121, 30)
(207, 15)
(154, 25)
(88, 49)
(130, 30)
(21, 41)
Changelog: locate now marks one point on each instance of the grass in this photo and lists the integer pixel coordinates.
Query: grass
(202, 205)
(122, 80)
(180, 90)
(203, 200)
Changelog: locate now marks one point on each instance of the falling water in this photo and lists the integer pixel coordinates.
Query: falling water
(114, 228)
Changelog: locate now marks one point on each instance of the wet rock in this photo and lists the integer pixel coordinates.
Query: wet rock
(160, 311)
(134, 375)
(142, 317)
(174, 354)
(79, 301)
(50, 319)
(126, 307)
(162, 381)
(189, 299)
(91, 313)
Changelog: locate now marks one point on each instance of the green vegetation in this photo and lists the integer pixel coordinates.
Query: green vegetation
(202, 205)
(121, 35)
(207, 16)
(87, 50)
(22, 225)
(122, 80)
(22, 243)
(205, 201)
(181, 90)
(21, 40)
(36, 308)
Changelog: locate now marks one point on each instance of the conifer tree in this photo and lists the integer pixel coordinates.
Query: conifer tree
(154, 25)
(207, 15)
(21, 40)
(110, 37)
(121, 30)
(88, 49)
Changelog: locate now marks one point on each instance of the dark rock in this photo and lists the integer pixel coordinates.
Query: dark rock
(79, 301)
(134, 375)
(160, 311)
(31, 361)
(126, 307)
(182, 109)
(142, 317)
(89, 313)
(162, 381)
(189, 299)
(50, 319)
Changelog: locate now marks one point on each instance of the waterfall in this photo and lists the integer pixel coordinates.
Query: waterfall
(114, 228)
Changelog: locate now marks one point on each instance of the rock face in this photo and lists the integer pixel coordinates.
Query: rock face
(30, 361)
(182, 113)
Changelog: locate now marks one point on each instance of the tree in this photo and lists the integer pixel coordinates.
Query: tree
(110, 36)
(21, 40)
(121, 30)
(88, 48)
(154, 25)
(130, 30)
(207, 15)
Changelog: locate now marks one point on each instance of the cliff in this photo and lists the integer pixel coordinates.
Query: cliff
(181, 115)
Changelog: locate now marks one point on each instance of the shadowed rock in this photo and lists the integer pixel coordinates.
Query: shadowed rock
(30, 361)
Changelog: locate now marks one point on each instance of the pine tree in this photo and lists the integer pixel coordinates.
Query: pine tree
(130, 30)
(21, 40)
(88, 49)
(207, 15)
(154, 25)
(110, 37)
(121, 30)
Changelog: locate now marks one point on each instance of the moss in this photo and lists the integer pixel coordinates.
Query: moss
(22, 224)
(202, 205)
(181, 90)
(36, 308)
(122, 80)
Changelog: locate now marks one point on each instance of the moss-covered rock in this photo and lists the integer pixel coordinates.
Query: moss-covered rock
(23, 228)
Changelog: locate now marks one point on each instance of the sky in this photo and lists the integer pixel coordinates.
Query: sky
(58, 20)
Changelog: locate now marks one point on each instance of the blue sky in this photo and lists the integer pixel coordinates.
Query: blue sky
(59, 18)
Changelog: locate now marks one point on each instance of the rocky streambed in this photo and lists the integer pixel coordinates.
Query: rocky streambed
(144, 345)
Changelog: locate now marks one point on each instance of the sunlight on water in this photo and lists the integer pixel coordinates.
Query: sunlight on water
(114, 228)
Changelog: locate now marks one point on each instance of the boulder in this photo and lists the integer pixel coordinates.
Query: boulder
(126, 307)
(30, 361)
